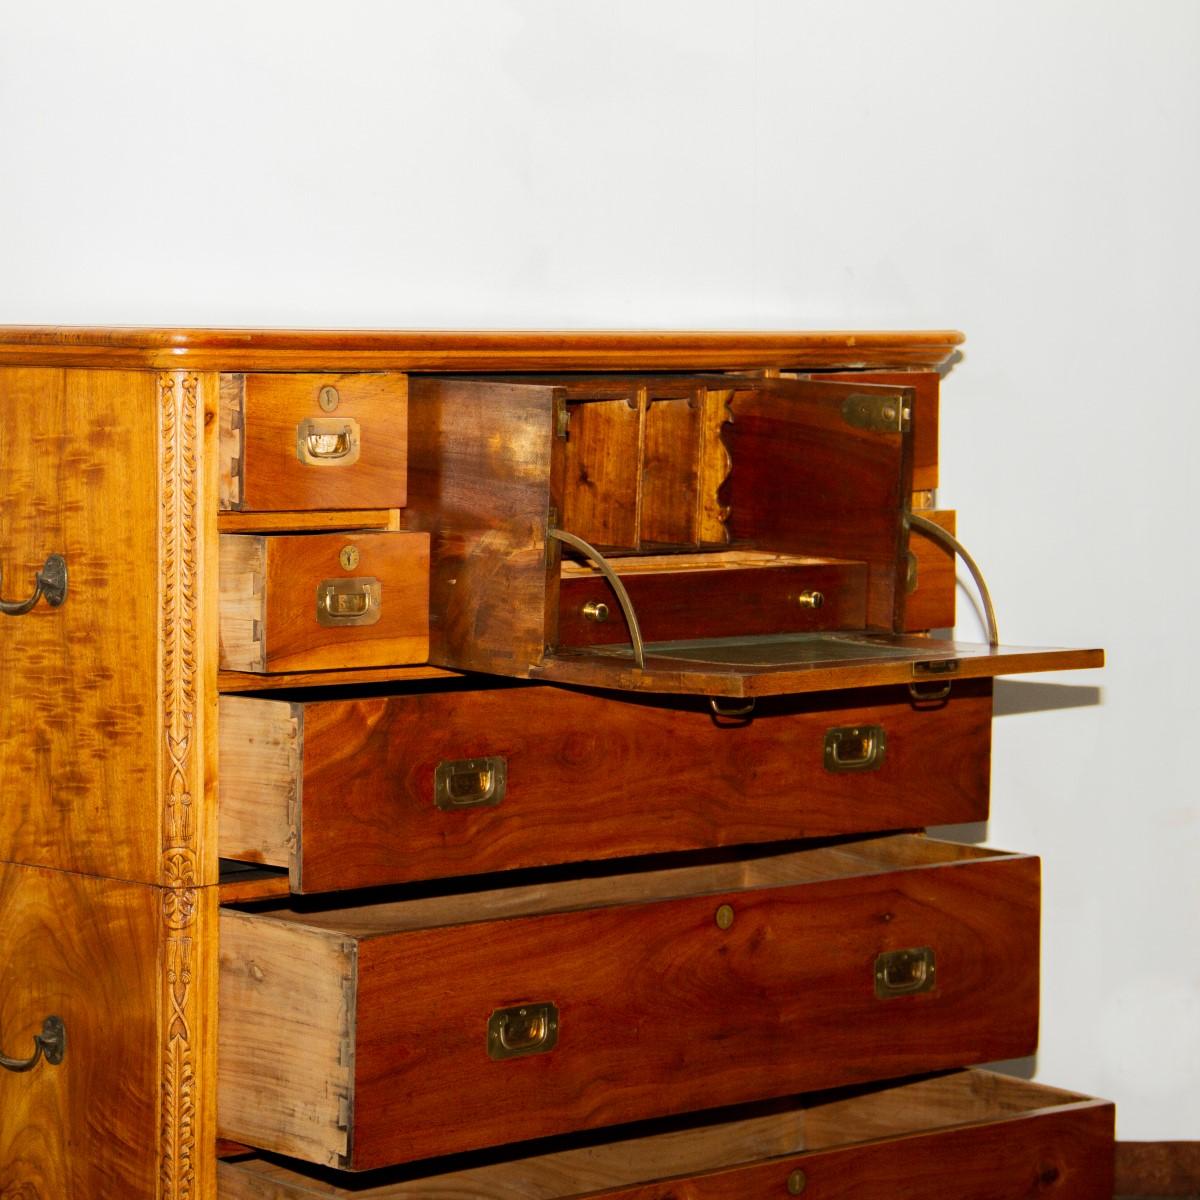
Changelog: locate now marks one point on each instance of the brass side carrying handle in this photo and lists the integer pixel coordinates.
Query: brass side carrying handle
(50, 585)
(328, 441)
(470, 783)
(342, 602)
(50, 1044)
(521, 1030)
(905, 972)
(855, 748)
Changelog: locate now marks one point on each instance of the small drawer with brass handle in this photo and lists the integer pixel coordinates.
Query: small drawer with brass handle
(462, 778)
(296, 442)
(414, 1028)
(311, 602)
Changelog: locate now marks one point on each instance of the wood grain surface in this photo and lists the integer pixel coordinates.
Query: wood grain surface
(440, 350)
(967, 1136)
(660, 1010)
(342, 790)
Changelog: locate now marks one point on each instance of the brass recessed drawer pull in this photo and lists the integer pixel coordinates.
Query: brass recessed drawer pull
(349, 601)
(50, 584)
(50, 1044)
(524, 1029)
(905, 972)
(328, 442)
(855, 748)
(470, 783)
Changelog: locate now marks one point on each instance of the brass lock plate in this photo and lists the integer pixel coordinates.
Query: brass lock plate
(521, 1030)
(470, 783)
(349, 602)
(905, 972)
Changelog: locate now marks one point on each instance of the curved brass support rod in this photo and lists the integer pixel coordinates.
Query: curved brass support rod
(51, 583)
(590, 551)
(935, 531)
(51, 1042)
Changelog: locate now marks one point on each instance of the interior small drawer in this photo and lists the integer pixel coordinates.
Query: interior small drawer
(362, 1037)
(295, 442)
(968, 1135)
(457, 781)
(311, 602)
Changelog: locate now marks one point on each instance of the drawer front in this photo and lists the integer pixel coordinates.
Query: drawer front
(489, 1032)
(970, 1135)
(671, 605)
(388, 789)
(312, 602)
(296, 442)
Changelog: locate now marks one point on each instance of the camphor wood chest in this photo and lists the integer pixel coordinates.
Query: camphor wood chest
(494, 765)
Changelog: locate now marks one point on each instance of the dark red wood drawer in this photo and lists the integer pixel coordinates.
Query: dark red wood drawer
(456, 781)
(363, 1037)
(969, 1135)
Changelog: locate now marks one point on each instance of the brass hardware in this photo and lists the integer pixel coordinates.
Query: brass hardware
(905, 972)
(810, 599)
(934, 530)
(349, 557)
(50, 1044)
(50, 584)
(910, 578)
(724, 917)
(877, 414)
(797, 1181)
(328, 442)
(524, 1029)
(470, 783)
(723, 708)
(855, 748)
(935, 668)
(596, 610)
(931, 692)
(328, 398)
(349, 601)
(614, 581)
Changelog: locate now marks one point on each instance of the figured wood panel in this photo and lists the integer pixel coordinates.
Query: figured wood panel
(588, 777)
(806, 481)
(80, 733)
(480, 482)
(129, 1112)
(674, 440)
(486, 350)
(269, 473)
(602, 454)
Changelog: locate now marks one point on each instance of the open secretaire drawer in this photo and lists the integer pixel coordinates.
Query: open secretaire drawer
(970, 1135)
(366, 1036)
(714, 535)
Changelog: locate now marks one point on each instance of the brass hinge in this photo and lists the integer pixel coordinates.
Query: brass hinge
(878, 414)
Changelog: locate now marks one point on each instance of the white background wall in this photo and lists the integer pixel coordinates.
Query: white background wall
(1027, 172)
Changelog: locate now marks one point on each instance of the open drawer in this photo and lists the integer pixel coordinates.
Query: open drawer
(367, 1036)
(713, 535)
(969, 1135)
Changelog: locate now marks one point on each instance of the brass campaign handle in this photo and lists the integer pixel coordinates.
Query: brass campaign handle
(328, 441)
(51, 1044)
(521, 1030)
(51, 586)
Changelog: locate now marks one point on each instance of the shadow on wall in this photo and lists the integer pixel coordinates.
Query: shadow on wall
(1013, 697)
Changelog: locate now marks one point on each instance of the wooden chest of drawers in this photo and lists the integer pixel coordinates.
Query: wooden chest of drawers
(610, 913)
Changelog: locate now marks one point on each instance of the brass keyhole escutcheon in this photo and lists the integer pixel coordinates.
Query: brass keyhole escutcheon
(349, 558)
(724, 917)
(796, 1183)
(328, 398)
(596, 610)
(810, 599)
